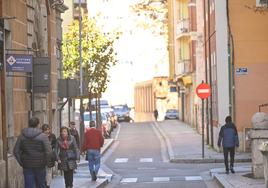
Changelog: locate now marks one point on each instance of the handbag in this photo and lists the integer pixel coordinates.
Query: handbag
(86, 158)
(71, 155)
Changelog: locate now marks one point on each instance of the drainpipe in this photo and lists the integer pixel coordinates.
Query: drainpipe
(230, 65)
(206, 74)
(210, 78)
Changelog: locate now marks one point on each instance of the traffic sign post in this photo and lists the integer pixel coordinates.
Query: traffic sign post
(203, 91)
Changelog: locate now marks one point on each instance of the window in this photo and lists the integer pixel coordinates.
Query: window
(261, 3)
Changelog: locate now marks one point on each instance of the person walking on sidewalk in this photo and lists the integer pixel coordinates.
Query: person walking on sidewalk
(93, 141)
(228, 137)
(32, 150)
(74, 133)
(67, 153)
(155, 114)
(51, 163)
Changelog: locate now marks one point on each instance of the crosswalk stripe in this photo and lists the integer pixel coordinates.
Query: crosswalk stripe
(121, 160)
(161, 179)
(146, 160)
(193, 178)
(129, 180)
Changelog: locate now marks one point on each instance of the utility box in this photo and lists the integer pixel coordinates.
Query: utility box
(68, 88)
(41, 74)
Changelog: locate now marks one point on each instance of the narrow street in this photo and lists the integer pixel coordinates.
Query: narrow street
(138, 158)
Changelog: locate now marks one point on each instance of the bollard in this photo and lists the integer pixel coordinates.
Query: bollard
(258, 135)
(264, 150)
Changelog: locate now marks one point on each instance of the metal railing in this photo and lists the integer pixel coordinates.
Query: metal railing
(183, 67)
(183, 26)
(262, 105)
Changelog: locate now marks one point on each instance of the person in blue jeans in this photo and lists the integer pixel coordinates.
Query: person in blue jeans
(228, 138)
(32, 151)
(93, 141)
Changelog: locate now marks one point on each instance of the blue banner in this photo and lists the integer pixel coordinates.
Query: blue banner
(19, 63)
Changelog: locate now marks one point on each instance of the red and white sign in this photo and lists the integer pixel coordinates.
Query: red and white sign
(203, 91)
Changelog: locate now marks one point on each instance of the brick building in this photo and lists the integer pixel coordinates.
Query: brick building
(31, 27)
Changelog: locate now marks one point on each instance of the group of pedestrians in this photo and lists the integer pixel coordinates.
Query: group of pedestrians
(38, 150)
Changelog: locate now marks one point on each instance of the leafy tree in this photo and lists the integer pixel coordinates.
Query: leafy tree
(98, 54)
(152, 14)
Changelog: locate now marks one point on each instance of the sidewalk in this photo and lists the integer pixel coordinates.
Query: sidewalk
(184, 146)
(82, 177)
(238, 180)
(180, 137)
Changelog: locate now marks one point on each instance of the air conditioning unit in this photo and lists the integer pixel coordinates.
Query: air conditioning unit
(261, 3)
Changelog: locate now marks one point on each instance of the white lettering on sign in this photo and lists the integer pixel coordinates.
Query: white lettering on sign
(203, 90)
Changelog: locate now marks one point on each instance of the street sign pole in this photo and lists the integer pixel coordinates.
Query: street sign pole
(203, 91)
(203, 128)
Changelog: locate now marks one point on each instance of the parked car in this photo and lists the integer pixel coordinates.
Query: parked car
(105, 123)
(111, 115)
(122, 112)
(172, 114)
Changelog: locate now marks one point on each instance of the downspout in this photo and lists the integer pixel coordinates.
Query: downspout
(230, 65)
(210, 79)
(206, 74)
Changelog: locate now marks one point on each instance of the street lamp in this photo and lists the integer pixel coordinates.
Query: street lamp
(81, 77)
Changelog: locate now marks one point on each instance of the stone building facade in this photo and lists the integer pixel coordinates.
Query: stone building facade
(30, 27)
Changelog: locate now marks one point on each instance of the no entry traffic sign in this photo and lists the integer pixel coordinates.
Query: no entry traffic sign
(203, 91)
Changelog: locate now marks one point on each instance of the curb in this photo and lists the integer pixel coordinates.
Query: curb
(205, 160)
(173, 159)
(101, 184)
(218, 174)
(166, 139)
(221, 181)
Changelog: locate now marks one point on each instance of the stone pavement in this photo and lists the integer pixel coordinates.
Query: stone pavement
(82, 177)
(180, 137)
(241, 179)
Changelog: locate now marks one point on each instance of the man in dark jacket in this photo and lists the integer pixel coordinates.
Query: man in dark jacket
(32, 150)
(228, 137)
(74, 133)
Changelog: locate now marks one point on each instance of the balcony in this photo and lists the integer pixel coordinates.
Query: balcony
(182, 28)
(183, 67)
(82, 2)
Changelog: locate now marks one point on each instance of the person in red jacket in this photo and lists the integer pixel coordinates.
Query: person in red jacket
(93, 141)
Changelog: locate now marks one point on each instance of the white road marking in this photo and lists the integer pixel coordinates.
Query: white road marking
(146, 160)
(161, 179)
(193, 178)
(121, 160)
(129, 180)
(146, 168)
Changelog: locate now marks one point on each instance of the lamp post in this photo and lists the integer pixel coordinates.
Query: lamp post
(81, 77)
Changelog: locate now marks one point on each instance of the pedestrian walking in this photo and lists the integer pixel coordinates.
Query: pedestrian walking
(228, 138)
(74, 133)
(93, 141)
(32, 150)
(156, 114)
(67, 154)
(51, 163)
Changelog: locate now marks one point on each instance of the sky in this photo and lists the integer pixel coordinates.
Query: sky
(141, 55)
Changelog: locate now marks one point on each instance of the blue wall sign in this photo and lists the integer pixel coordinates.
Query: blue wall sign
(241, 71)
(19, 63)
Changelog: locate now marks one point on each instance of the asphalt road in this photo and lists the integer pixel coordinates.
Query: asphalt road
(138, 158)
